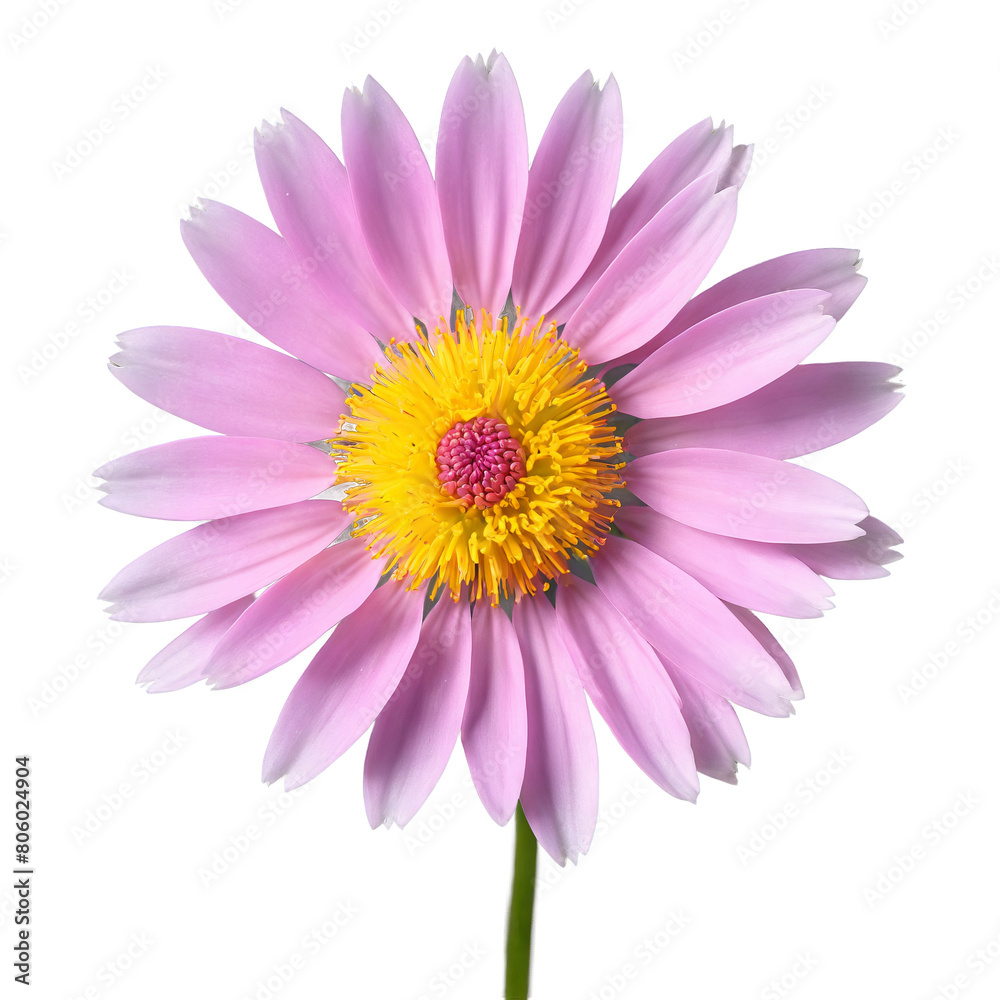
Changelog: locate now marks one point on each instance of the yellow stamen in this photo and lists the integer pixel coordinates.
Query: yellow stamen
(528, 379)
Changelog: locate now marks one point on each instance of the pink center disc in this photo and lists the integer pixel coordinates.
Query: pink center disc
(479, 462)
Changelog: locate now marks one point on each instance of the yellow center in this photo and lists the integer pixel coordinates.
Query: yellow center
(525, 379)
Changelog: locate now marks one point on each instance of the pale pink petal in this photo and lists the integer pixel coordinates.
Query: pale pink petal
(294, 612)
(746, 496)
(761, 633)
(728, 355)
(833, 271)
(396, 202)
(482, 175)
(215, 563)
(809, 408)
(202, 478)
(254, 271)
(559, 795)
(655, 274)
(717, 738)
(415, 733)
(181, 663)
(736, 170)
(628, 686)
(310, 198)
(863, 558)
(702, 149)
(689, 625)
(495, 724)
(571, 185)
(345, 685)
(756, 574)
(228, 384)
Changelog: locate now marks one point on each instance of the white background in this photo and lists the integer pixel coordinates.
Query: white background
(876, 128)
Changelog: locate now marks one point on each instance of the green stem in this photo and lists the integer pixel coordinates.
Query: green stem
(522, 904)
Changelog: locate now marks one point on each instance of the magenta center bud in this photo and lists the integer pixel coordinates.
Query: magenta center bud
(479, 462)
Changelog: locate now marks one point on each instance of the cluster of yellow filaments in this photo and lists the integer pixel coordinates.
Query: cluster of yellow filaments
(480, 458)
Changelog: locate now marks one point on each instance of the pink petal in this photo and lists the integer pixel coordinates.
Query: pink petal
(655, 274)
(294, 612)
(559, 795)
(689, 625)
(746, 496)
(774, 648)
(702, 149)
(809, 408)
(766, 577)
(217, 562)
(345, 686)
(181, 662)
(628, 686)
(571, 185)
(202, 478)
(735, 172)
(861, 558)
(415, 733)
(253, 269)
(227, 384)
(482, 177)
(495, 725)
(833, 271)
(396, 202)
(717, 739)
(728, 355)
(310, 198)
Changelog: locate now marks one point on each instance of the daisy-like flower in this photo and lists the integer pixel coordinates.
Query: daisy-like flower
(506, 454)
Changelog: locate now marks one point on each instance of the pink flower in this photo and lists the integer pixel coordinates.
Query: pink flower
(496, 531)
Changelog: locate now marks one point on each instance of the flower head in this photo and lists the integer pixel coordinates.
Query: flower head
(503, 450)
